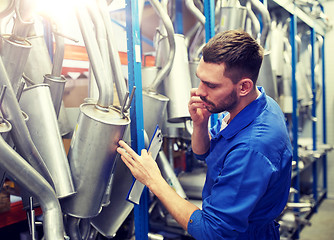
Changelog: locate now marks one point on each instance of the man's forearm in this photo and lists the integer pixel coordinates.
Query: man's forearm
(177, 206)
(200, 140)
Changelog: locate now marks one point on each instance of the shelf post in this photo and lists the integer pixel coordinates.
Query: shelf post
(293, 30)
(324, 116)
(314, 121)
(136, 110)
(209, 13)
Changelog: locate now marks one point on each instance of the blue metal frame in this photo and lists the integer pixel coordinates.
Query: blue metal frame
(324, 116)
(293, 30)
(314, 123)
(136, 111)
(178, 23)
(209, 12)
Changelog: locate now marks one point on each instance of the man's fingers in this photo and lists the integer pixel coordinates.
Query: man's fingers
(127, 163)
(128, 149)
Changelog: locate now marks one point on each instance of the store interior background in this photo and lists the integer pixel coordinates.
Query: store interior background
(76, 89)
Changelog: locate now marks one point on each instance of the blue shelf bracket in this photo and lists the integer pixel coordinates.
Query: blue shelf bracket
(209, 13)
(314, 117)
(324, 116)
(178, 23)
(293, 30)
(136, 110)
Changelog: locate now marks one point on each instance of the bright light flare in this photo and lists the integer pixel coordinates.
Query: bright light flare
(59, 10)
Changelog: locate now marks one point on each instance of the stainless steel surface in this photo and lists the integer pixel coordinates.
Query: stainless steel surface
(193, 182)
(38, 69)
(39, 61)
(232, 17)
(194, 79)
(92, 156)
(23, 22)
(169, 175)
(102, 42)
(26, 176)
(105, 87)
(20, 133)
(266, 78)
(115, 61)
(43, 127)
(178, 84)
(148, 74)
(58, 55)
(265, 19)
(195, 11)
(168, 28)
(254, 21)
(57, 85)
(14, 56)
(154, 108)
(111, 217)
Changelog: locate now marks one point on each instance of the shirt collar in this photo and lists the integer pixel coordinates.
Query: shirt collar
(245, 116)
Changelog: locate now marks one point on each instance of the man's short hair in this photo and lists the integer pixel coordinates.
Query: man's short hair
(240, 53)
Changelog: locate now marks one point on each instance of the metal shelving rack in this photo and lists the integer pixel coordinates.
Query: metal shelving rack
(134, 69)
(298, 15)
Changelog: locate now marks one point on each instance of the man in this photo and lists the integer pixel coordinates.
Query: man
(248, 152)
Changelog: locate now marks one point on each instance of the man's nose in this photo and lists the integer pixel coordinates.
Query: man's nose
(201, 90)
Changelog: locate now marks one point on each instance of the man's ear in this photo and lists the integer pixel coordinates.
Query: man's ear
(245, 85)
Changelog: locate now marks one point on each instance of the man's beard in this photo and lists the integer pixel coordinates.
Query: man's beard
(225, 105)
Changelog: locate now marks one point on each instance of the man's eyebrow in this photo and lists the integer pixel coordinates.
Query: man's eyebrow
(209, 83)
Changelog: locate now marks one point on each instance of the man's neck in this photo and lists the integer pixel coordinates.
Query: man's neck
(244, 102)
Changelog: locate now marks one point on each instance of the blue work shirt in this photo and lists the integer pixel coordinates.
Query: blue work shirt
(248, 177)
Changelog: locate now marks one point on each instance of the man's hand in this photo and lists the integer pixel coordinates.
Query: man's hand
(143, 167)
(198, 112)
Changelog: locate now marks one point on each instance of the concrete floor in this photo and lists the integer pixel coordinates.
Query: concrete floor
(322, 226)
(322, 222)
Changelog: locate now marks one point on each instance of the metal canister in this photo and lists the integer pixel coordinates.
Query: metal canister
(92, 156)
(43, 127)
(232, 17)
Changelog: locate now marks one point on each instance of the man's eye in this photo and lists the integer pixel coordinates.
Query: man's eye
(211, 85)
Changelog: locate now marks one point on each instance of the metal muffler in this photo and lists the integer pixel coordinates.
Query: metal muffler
(38, 69)
(28, 178)
(43, 127)
(154, 106)
(266, 78)
(232, 17)
(178, 84)
(20, 133)
(14, 55)
(5, 127)
(193, 68)
(57, 85)
(91, 157)
(111, 217)
(39, 61)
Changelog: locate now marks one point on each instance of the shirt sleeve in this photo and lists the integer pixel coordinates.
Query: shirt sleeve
(202, 156)
(240, 184)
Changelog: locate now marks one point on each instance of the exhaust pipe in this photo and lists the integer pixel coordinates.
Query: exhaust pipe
(163, 73)
(114, 60)
(27, 177)
(93, 146)
(43, 126)
(195, 11)
(263, 11)
(105, 88)
(20, 133)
